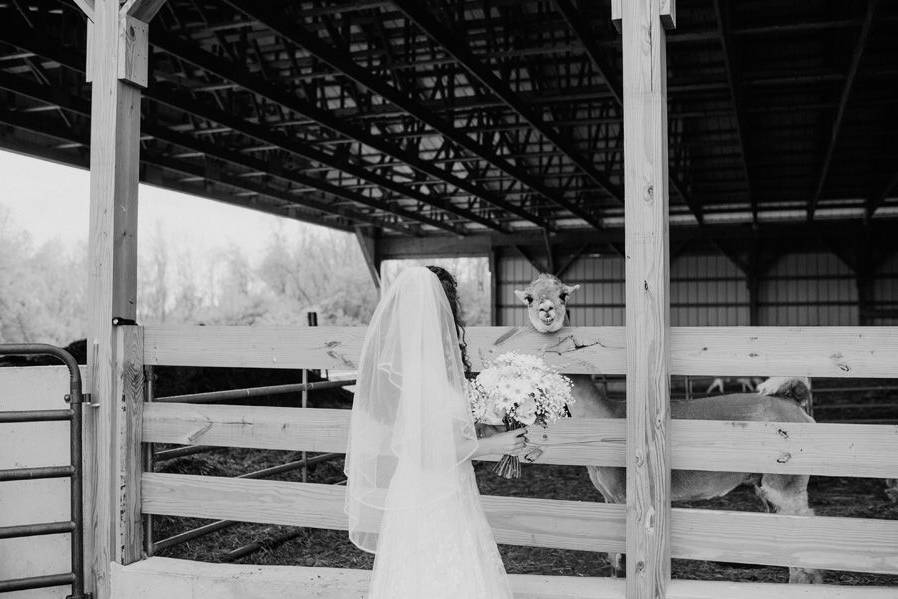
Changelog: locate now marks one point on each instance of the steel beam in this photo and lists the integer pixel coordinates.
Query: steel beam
(856, 56)
(81, 107)
(578, 24)
(187, 104)
(453, 43)
(274, 93)
(877, 200)
(723, 30)
(346, 65)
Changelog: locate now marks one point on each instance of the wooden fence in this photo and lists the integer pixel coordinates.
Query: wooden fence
(862, 545)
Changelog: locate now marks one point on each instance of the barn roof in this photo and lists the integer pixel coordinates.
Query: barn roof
(483, 117)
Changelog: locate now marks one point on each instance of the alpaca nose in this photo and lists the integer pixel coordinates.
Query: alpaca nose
(547, 311)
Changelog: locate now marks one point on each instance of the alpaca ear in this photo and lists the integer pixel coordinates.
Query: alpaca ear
(522, 295)
(569, 289)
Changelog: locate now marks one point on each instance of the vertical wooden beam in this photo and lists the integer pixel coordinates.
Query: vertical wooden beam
(495, 310)
(647, 255)
(368, 246)
(112, 435)
(129, 456)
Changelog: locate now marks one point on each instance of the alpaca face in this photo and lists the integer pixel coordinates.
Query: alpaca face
(546, 300)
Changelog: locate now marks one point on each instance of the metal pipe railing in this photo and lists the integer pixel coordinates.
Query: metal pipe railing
(33, 530)
(75, 399)
(149, 459)
(180, 452)
(268, 543)
(40, 582)
(231, 394)
(35, 416)
(36, 472)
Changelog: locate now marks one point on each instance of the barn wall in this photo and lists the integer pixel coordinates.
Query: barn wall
(885, 292)
(808, 290)
(709, 290)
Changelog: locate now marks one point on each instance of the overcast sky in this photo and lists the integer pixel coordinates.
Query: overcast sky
(51, 201)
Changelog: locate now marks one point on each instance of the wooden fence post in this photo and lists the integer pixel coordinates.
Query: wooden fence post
(647, 256)
(495, 300)
(129, 394)
(117, 69)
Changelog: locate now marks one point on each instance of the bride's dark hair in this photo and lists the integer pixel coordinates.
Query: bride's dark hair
(450, 287)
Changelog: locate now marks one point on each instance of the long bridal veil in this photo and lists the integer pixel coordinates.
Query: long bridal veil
(410, 425)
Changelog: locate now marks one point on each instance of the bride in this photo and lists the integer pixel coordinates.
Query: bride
(411, 495)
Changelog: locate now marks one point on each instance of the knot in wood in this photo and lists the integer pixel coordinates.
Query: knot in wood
(649, 194)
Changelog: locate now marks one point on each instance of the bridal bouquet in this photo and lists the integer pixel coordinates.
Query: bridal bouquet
(518, 390)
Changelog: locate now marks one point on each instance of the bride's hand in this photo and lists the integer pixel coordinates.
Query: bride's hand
(511, 442)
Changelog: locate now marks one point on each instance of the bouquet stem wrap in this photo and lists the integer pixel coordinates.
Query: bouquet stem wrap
(509, 466)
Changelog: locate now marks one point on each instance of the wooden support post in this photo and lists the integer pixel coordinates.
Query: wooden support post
(647, 255)
(129, 395)
(369, 253)
(495, 300)
(112, 462)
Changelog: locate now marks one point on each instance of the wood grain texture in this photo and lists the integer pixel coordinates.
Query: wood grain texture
(860, 545)
(129, 427)
(825, 543)
(584, 350)
(369, 248)
(166, 578)
(261, 427)
(858, 450)
(518, 521)
(867, 352)
(133, 50)
(647, 285)
(87, 7)
(668, 12)
(112, 286)
(143, 10)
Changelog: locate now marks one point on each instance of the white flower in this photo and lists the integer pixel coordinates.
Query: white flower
(525, 413)
(522, 387)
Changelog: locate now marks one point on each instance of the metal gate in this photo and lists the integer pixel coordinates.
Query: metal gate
(75, 398)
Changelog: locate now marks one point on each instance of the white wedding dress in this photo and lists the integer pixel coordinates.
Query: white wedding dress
(452, 548)
(411, 495)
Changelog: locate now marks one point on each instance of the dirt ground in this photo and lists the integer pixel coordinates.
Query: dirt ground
(847, 497)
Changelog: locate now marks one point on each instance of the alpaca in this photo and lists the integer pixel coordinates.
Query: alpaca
(777, 400)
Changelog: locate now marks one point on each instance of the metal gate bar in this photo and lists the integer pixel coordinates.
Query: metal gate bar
(73, 470)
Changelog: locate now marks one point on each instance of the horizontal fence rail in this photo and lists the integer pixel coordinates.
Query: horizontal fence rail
(870, 352)
(854, 544)
(829, 543)
(764, 447)
(183, 578)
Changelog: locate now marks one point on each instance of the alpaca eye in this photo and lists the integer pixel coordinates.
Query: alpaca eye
(563, 297)
(529, 299)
